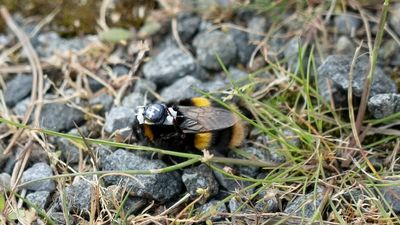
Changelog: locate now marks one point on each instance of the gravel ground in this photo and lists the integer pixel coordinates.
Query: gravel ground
(91, 87)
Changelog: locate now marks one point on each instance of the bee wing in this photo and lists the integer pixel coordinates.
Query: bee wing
(204, 119)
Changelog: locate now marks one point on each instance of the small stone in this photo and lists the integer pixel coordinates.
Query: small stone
(120, 70)
(38, 171)
(59, 117)
(69, 151)
(50, 43)
(104, 101)
(291, 52)
(120, 118)
(244, 47)
(5, 180)
(394, 17)
(200, 177)
(17, 89)
(333, 79)
(134, 204)
(212, 85)
(59, 218)
(94, 85)
(389, 53)
(291, 137)
(238, 76)
(3, 157)
(273, 148)
(213, 208)
(159, 186)
(391, 196)
(22, 106)
(102, 153)
(306, 205)
(78, 195)
(227, 182)
(383, 105)
(133, 100)
(267, 202)
(347, 24)
(181, 89)
(143, 86)
(39, 198)
(206, 5)
(256, 154)
(257, 25)
(345, 46)
(236, 203)
(171, 64)
(187, 25)
(4, 40)
(209, 45)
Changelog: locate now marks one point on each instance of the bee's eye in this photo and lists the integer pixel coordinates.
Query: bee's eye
(155, 113)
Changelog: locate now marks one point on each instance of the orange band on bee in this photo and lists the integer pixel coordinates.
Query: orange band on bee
(202, 140)
(200, 102)
(148, 132)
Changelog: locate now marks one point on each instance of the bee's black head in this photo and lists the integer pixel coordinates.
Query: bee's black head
(155, 113)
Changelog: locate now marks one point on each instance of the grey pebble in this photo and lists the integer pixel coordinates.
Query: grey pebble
(120, 70)
(389, 53)
(209, 45)
(59, 218)
(22, 106)
(38, 171)
(273, 147)
(69, 151)
(333, 77)
(78, 195)
(207, 4)
(211, 208)
(382, 105)
(267, 201)
(142, 86)
(171, 64)
(257, 24)
(5, 180)
(186, 88)
(187, 25)
(291, 53)
(120, 118)
(347, 24)
(244, 47)
(17, 89)
(3, 157)
(254, 154)
(345, 46)
(394, 17)
(305, 205)
(200, 177)
(50, 43)
(133, 100)
(59, 117)
(181, 89)
(104, 100)
(391, 195)
(229, 183)
(159, 186)
(39, 198)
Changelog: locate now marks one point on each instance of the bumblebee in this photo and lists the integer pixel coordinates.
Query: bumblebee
(192, 123)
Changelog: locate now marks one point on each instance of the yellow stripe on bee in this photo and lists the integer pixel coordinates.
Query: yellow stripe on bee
(238, 133)
(202, 140)
(200, 102)
(148, 132)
